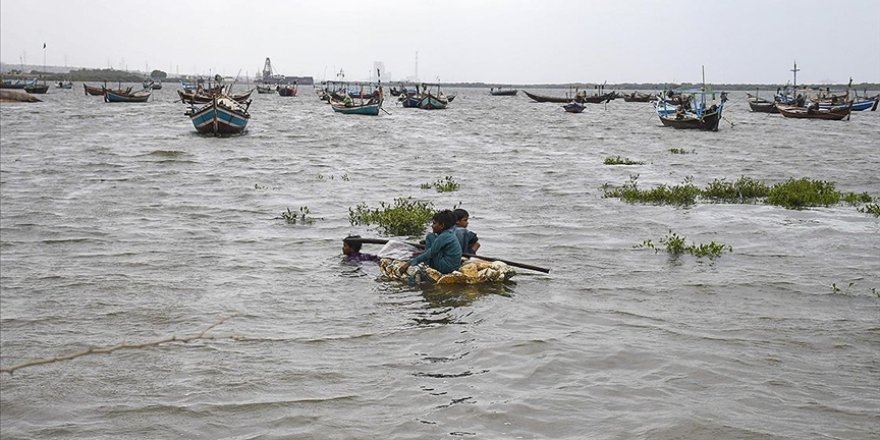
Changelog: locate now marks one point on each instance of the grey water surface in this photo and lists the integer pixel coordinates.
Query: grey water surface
(119, 224)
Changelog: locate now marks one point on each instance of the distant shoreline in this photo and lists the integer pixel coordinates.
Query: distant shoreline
(51, 74)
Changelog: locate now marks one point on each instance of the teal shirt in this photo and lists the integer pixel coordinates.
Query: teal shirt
(443, 253)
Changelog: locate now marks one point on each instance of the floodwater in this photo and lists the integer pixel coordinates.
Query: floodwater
(121, 225)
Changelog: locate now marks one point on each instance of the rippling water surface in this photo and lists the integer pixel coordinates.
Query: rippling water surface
(121, 225)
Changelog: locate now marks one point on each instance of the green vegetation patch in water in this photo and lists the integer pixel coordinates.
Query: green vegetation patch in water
(406, 217)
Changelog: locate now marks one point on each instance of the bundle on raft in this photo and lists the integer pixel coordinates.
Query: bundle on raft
(473, 271)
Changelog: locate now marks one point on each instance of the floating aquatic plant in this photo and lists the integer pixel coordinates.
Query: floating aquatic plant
(406, 217)
(871, 208)
(446, 184)
(744, 189)
(617, 160)
(303, 217)
(683, 195)
(792, 194)
(681, 151)
(677, 245)
(802, 193)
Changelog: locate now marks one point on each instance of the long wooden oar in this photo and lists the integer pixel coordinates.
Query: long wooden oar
(466, 254)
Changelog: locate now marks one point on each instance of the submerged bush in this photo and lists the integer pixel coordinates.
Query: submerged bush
(617, 160)
(405, 217)
(872, 208)
(792, 194)
(677, 245)
(745, 188)
(304, 217)
(684, 194)
(802, 193)
(446, 184)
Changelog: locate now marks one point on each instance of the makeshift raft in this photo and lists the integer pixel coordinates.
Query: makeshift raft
(473, 271)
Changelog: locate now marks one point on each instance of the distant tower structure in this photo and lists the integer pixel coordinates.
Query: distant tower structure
(795, 71)
(416, 75)
(378, 72)
(267, 71)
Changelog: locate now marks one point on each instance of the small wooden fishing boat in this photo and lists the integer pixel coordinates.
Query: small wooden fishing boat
(266, 88)
(64, 84)
(696, 115)
(857, 104)
(815, 112)
(429, 101)
(222, 116)
(598, 98)
(35, 88)
(99, 91)
(637, 97)
(760, 105)
(94, 91)
(574, 107)
(410, 101)
(541, 98)
(140, 96)
(287, 90)
(503, 92)
(370, 108)
(204, 97)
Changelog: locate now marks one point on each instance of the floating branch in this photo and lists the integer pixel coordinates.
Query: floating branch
(122, 346)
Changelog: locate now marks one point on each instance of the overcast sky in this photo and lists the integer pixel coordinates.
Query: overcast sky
(491, 41)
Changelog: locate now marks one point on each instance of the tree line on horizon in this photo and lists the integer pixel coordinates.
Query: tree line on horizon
(113, 75)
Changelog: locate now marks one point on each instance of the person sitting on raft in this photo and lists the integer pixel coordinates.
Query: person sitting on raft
(442, 252)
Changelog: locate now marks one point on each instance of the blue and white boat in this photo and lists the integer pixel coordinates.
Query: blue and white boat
(222, 116)
(370, 108)
(857, 105)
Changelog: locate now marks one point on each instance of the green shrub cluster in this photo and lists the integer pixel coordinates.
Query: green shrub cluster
(446, 184)
(791, 194)
(406, 217)
(677, 245)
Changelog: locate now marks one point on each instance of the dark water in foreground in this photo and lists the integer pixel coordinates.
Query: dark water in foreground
(120, 224)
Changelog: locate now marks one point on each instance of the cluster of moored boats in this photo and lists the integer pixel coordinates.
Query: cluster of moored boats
(215, 109)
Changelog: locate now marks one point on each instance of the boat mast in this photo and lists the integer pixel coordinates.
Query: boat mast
(795, 71)
(703, 95)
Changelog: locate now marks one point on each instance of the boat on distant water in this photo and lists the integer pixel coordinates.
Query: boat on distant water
(637, 97)
(139, 96)
(205, 96)
(64, 84)
(560, 100)
(698, 115)
(500, 91)
(432, 98)
(370, 108)
(409, 101)
(287, 90)
(99, 91)
(222, 116)
(857, 104)
(813, 111)
(574, 107)
(695, 113)
(266, 88)
(37, 87)
(761, 105)
(13, 84)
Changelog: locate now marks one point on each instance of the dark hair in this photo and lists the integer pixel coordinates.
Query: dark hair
(445, 218)
(460, 214)
(355, 245)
